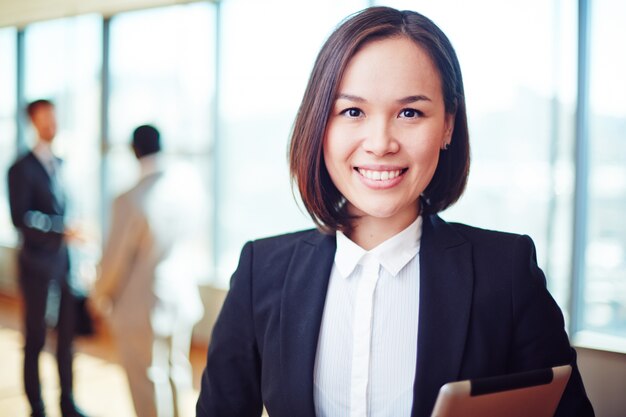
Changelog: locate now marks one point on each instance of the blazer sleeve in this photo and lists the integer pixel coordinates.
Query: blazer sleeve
(36, 226)
(119, 251)
(230, 385)
(539, 338)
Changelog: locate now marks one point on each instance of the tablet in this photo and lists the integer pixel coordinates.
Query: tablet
(533, 393)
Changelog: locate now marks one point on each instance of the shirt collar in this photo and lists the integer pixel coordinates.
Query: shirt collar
(43, 151)
(393, 254)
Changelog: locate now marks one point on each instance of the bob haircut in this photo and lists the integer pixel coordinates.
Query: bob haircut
(308, 170)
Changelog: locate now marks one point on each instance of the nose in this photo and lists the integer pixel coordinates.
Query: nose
(380, 140)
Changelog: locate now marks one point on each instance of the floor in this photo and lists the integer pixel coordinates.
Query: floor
(99, 382)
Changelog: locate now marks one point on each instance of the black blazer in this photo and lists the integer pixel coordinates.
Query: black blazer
(484, 311)
(37, 211)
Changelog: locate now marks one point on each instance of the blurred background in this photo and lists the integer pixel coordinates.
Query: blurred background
(545, 89)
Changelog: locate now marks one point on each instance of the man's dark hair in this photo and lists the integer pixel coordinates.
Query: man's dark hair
(146, 141)
(32, 107)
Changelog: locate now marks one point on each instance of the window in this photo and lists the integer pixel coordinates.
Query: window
(162, 72)
(264, 70)
(522, 173)
(8, 134)
(604, 288)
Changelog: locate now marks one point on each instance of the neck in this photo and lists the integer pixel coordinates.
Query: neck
(369, 232)
(43, 144)
(149, 164)
(43, 149)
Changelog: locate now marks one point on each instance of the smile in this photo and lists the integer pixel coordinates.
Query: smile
(380, 175)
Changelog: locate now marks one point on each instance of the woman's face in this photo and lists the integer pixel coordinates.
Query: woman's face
(386, 129)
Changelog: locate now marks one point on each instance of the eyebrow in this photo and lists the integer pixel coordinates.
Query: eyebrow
(404, 100)
(413, 99)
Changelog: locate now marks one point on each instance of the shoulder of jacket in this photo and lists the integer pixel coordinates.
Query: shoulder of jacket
(23, 168)
(277, 247)
(287, 239)
(474, 233)
(494, 242)
(23, 159)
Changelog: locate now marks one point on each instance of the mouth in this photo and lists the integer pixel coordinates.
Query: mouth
(380, 174)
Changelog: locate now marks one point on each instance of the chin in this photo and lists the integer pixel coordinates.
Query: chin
(385, 210)
(378, 212)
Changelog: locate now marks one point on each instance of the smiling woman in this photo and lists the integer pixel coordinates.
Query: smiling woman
(384, 136)
(329, 322)
(415, 79)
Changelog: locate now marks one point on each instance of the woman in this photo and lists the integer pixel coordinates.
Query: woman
(373, 312)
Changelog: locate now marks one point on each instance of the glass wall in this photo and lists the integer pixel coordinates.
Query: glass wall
(521, 173)
(162, 72)
(604, 291)
(263, 72)
(8, 124)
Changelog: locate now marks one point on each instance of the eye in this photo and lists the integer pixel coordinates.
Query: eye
(410, 113)
(352, 113)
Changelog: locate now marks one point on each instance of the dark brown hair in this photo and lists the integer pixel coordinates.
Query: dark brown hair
(32, 107)
(321, 198)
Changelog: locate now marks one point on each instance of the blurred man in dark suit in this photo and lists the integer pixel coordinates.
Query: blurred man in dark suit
(37, 209)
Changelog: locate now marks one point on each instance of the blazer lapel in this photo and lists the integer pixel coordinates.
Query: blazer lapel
(58, 198)
(302, 305)
(446, 284)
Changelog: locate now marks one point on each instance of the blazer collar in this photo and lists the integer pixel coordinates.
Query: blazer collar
(302, 305)
(35, 161)
(55, 187)
(446, 285)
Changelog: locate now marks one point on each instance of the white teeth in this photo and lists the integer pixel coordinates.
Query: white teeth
(379, 175)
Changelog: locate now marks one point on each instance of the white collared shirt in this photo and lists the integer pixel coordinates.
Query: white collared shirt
(367, 348)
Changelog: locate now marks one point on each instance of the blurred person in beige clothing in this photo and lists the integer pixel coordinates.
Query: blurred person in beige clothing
(148, 285)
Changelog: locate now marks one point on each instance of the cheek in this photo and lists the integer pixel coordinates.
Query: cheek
(336, 147)
(336, 153)
(425, 158)
(431, 159)
(328, 153)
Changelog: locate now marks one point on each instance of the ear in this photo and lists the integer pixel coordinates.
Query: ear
(448, 129)
(135, 151)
